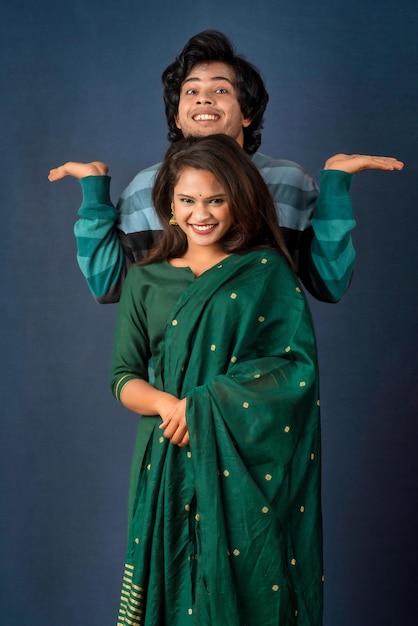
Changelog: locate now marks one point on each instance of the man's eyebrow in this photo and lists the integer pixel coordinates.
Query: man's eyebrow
(196, 79)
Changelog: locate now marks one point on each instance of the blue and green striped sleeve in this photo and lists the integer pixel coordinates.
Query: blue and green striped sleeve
(100, 254)
(332, 253)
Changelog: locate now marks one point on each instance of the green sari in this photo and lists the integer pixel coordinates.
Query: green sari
(227, 531)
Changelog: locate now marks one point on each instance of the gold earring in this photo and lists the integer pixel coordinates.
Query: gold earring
(173, 220)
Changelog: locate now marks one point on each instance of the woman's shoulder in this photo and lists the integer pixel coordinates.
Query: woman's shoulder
(148, 269)
(139, 275)
(156, 273)
(275, 266)
(267, 256)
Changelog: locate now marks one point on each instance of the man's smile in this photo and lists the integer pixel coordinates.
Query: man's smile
(205, 117)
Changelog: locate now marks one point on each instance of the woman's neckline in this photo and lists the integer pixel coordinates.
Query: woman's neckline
(196, 268)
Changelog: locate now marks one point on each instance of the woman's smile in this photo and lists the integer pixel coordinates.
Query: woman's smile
(203, 229)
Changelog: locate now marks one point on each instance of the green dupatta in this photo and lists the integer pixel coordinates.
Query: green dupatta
(227, 532)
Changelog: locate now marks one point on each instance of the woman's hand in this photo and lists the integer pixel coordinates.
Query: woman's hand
(174, 424)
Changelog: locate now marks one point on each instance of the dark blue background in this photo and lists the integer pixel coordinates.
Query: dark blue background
(80, 80)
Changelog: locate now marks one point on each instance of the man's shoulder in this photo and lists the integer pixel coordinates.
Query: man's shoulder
(136, 210)
(262, 161)
(144, 180)
(283, 171)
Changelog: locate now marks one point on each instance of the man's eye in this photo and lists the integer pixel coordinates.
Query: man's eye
(190, 92)
(221, 90)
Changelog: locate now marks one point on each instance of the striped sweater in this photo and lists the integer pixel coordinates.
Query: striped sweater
(316, 227)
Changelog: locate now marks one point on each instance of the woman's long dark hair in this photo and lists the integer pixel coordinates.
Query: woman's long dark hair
(254, 217)
(211, 46)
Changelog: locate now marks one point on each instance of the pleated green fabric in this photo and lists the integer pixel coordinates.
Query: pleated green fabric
(225, 532)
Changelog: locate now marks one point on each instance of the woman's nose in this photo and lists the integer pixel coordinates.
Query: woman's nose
(201, 212)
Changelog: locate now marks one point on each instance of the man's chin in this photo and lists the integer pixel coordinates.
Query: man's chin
(206, 132)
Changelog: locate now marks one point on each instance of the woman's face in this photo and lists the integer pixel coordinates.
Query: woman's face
(201, 208)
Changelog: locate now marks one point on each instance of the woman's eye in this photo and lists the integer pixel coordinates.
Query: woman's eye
(190, 92)
(221, 90)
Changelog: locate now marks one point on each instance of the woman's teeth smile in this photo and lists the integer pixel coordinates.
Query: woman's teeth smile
(203, 228)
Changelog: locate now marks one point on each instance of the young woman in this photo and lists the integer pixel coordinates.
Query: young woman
(225, 521)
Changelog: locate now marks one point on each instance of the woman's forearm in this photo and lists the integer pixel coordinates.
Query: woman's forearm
(141, 397)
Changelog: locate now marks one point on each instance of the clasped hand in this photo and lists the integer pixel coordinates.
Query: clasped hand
(174, 424)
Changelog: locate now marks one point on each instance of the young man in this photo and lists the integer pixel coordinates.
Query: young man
(208, 89)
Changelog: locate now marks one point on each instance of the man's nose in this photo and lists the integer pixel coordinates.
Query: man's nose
(204, 98)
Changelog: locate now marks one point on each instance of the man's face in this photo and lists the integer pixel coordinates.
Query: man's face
(209, 103)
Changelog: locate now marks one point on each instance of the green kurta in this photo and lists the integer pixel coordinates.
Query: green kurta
(227, 531)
